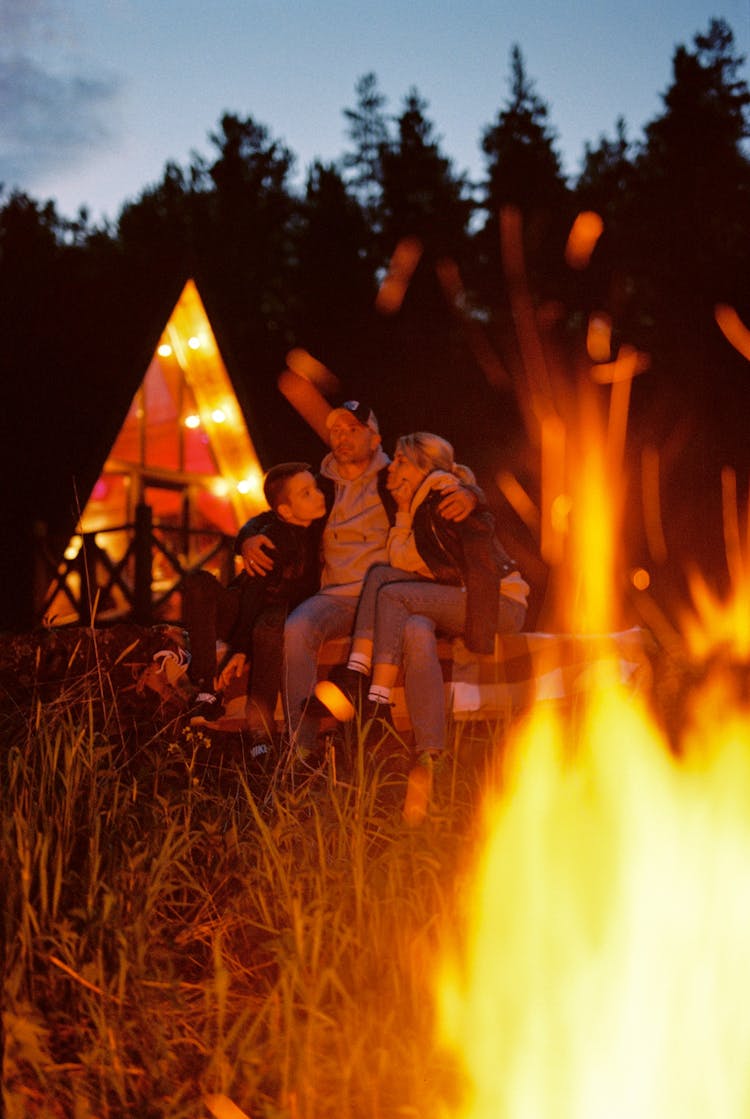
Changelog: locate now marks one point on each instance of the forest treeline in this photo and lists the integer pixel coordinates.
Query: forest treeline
(81, 305)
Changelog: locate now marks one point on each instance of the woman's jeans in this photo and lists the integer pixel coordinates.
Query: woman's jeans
(408, 613)
(377, 577)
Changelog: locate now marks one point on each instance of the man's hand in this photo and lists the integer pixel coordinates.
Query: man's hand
(255, 557)
(235, 666)
(457, 503)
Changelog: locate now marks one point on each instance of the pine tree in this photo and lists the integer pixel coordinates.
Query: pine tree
(523, 171)
(367, 129)
(422, 195)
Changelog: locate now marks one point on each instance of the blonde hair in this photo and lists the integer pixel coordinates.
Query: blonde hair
(432, 452)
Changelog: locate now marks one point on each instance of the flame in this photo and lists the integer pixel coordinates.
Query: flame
(598, 969)
(610, 924)
(719, 624)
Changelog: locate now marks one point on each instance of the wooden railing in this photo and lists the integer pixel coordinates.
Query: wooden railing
(144, 584)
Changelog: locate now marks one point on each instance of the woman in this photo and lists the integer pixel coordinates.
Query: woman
(454, 575)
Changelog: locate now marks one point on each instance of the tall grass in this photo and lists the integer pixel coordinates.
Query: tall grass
(178, 926)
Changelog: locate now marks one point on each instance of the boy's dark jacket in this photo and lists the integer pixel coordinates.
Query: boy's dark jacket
(296, 546)
(295, 575)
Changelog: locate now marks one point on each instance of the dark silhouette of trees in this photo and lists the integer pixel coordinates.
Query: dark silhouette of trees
(524, 171)
(334, 283)
(367, 129)
(281, 267)
(422, 196)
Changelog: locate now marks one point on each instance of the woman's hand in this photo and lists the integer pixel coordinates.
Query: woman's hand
(402, 492)
(404, 478)
(254, 555)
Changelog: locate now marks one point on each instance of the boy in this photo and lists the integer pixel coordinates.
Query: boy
(250, 613)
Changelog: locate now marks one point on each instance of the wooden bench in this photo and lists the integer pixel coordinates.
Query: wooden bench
(525, 668)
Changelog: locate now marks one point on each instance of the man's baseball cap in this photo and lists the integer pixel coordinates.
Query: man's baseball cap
(363, 413)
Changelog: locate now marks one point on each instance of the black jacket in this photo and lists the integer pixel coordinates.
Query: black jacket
(465, 553)
(295, 575)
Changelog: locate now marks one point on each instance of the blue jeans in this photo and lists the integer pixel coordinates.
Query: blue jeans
(308, 627)
(407, 617)
(379, 575)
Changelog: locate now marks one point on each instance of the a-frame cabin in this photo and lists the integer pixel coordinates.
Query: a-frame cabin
(179, 480)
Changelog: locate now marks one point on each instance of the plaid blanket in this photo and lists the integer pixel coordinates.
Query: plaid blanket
(525, 668)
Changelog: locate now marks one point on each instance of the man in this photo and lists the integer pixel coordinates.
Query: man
(360, 511)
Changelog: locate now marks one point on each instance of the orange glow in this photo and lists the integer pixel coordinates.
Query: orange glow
(307, 399)
(598, 970)
(628, 364)
(164, 455)
(591, 561)
(719, 624)
(334, 699)
(584, 234)
(599, 337)
(559, 513)
(518, 499)
(404, 261)
(73, 548)
(555, 505)
(221, 1107)
(640, 579)
(651, 499)
(732, 327)
(417, 799)
(253, 484)
(609, 925)
(305, 365)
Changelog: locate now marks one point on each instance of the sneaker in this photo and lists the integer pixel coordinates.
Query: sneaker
(355, 685)
(436, 761)
(209, 708)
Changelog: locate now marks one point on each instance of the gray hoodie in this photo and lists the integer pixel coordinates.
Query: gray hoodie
(356, 532)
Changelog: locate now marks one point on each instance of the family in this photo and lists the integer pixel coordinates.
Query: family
(387, 552)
